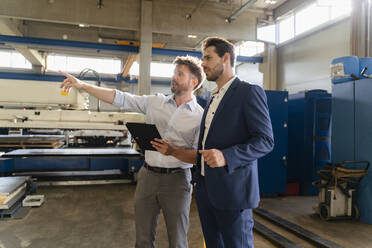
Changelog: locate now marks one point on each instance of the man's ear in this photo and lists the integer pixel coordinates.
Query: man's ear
(194, 82)
(226, 58)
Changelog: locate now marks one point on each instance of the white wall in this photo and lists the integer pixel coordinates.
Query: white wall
(304, 64)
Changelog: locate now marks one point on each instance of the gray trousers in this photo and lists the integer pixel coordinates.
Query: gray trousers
(172, 194)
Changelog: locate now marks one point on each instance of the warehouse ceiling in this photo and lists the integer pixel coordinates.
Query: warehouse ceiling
(108, 21)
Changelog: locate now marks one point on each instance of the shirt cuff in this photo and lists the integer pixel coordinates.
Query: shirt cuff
(118, 100)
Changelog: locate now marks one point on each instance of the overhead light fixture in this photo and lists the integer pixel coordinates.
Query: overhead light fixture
(100, 4)
(271, 1)
(82, 25)
(240, 11)
(326, 3)
(192, 36)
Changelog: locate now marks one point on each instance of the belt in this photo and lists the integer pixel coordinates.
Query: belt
(162, 170)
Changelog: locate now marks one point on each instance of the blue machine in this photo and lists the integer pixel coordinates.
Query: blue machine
(272, 169)
(55, 164)
(6, 166)
(351, 125)
(309, 147)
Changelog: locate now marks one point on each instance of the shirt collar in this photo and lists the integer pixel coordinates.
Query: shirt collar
(224, 88)
(191, 104)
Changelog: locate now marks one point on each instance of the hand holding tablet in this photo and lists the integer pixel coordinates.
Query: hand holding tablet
(143, 134)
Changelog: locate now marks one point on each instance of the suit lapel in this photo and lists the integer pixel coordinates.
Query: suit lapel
(202, 125)
(226, 98)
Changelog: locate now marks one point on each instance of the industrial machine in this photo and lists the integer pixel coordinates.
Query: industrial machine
(338, 189)
(38, 116)
(309, 131)
(351, 121)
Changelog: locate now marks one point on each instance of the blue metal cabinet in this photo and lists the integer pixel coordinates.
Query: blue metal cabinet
(343, 123)
(363, 144)
(352, 135)
(309, 147)
(272, 167)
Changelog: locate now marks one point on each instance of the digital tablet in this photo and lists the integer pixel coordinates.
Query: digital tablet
(143, 133)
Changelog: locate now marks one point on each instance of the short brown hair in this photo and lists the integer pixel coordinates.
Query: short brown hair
(194, 65)
(222, 46)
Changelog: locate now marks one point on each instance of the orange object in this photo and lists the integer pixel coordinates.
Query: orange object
(64, 93)
(136, 43)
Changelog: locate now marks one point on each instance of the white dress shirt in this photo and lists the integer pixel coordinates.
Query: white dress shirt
(179, 125)
(217, 97)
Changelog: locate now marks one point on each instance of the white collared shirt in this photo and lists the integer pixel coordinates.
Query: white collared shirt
(217, 97)
(179, 125)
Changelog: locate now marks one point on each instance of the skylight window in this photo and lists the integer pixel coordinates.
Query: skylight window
(267, 33)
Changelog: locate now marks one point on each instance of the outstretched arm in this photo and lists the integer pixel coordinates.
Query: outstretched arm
(106, 95)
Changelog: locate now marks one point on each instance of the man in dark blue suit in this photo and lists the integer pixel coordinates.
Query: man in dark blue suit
(235, 131)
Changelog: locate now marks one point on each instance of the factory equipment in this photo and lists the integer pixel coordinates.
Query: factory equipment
(337, 189)
(38, 116)
(309, 130)
(351, 121)
(272, 170)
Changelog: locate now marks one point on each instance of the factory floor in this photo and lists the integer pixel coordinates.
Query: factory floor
(99, 216)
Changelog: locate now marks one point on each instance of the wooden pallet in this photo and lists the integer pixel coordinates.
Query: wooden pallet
(31, 141)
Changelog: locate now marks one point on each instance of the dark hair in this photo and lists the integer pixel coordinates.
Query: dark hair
(222, 46)
(194, 65)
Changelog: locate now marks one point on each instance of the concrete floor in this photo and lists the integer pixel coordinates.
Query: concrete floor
(102, 216)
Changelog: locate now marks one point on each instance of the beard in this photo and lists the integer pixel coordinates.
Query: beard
(177, 88)
(214, 73)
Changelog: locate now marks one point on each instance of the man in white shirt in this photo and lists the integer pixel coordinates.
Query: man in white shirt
(235, 131)
(164, 182)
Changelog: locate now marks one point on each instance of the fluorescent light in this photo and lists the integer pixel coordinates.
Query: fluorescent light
(327, 2)
(192, 36)
(82, 25)
(271, 1)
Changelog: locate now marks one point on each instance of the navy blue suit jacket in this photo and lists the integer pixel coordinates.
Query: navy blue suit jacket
(241, 129)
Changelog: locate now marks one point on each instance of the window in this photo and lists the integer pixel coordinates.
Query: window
(157, 69)
(342, 8)
(286, 29)
(13, 59)
(311, 17)
(250, 48)
(267, 33)
(76, 64)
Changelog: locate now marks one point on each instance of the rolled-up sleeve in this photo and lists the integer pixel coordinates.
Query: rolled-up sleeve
(129, 102)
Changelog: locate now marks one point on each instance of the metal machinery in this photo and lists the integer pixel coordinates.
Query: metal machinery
(337, 189)
(309, 130)
(272, 168)
(352, 122)
(37, 114)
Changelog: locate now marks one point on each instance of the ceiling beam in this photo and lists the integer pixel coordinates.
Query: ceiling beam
(240, 11)
(8, 27)
(41, 42)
